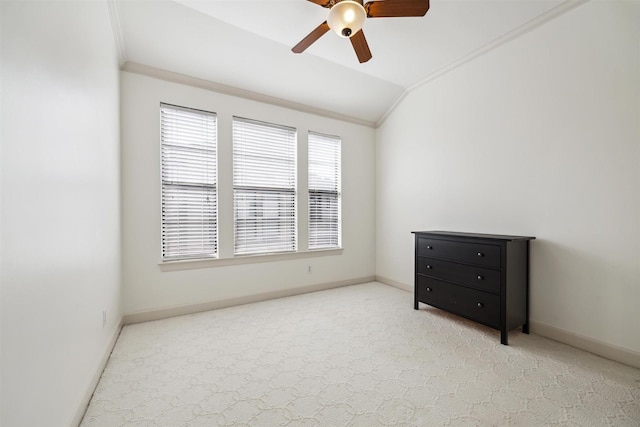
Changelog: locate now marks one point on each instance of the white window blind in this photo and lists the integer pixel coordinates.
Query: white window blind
(264, 187)
(189, 196)
(324, 191)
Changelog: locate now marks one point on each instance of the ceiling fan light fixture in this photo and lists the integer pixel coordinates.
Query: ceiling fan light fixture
(346, 18)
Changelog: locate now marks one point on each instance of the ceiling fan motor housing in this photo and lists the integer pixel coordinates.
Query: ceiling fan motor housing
(347, 17)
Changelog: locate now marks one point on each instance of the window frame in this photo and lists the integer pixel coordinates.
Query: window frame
(335, 193)
(192, 185)
(283, 191)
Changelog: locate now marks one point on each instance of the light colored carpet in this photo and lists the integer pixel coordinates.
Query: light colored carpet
(353, 356)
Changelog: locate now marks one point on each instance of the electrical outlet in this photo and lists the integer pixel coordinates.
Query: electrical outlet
(104, 318)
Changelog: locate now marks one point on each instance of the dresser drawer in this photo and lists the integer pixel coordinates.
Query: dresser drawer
(470, 275)
(472, 253)
(476, 305)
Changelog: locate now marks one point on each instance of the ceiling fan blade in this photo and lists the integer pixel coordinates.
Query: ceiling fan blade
(361, 46)
(311, 38)
(323, 3)
(396, 8)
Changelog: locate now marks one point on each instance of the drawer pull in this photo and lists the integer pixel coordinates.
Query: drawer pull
(429, 247)
(428, 267)
(428, 289)
(480, 254)
(480, 278)
(480, 305)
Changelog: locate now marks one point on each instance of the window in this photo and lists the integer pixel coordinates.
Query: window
(189, 197)
(324, 191)
(264, 187)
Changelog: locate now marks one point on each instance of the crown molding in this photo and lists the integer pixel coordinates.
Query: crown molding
(116, 29)
(170, 76)
(517, 32)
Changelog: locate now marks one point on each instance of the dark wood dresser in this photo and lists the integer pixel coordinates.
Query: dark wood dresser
(483, 277)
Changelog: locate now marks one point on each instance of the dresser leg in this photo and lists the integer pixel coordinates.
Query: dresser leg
(415, 304)
(525, 328)
(504, 337)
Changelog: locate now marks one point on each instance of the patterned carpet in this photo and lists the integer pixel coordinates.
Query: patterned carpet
(353, 356)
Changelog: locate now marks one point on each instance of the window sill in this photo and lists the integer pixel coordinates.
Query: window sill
(189, 264)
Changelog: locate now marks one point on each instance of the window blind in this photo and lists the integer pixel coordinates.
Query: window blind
(264, 187)
(324, 191)
(189, 196)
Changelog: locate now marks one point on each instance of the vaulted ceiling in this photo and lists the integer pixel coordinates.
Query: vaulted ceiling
(246, 44)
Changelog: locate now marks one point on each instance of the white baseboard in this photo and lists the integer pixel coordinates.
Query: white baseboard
(181, 310)
(609, 351)
(164, 313)
(84, 404)
(394, 283)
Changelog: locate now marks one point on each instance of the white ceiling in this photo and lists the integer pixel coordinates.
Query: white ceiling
(246, 44)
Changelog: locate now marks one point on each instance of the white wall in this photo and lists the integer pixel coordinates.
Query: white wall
(1, 106)
(148, 286)
(538, 137)
(60, 227)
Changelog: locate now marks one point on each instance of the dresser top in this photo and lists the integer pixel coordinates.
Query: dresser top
(472, 235)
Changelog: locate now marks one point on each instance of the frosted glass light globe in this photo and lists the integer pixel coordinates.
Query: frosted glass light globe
(346, 18)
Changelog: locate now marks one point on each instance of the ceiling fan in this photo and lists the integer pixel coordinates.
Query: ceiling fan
(346, 18)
